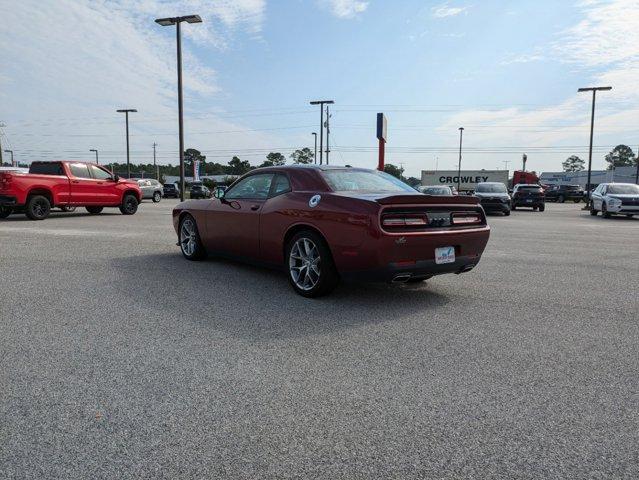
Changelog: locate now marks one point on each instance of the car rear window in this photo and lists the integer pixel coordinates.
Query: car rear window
(49, 168)
(491, 188)
(532, 188)
(363, 181)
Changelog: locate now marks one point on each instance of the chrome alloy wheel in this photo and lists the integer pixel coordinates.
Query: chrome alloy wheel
(188, 237)
(304, 264)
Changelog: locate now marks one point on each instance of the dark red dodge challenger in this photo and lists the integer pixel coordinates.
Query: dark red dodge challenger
(323, 223)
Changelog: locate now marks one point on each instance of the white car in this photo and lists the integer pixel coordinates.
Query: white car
(615, 198)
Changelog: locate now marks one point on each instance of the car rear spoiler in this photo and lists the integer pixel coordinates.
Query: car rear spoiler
(429, 200)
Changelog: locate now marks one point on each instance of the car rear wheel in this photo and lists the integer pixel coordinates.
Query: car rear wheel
(38, 207)
(561, 199)
(94, 210)
(157, 196)
(593, 212)
(542, 208)
(506, 213)
(604, 211)
(311, 271)
(5, 212)
(129, 204)
(190, 242)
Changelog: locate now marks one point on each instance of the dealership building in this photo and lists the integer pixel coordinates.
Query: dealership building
(619, 175)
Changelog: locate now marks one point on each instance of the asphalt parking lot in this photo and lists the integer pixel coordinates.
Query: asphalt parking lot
(120, 359)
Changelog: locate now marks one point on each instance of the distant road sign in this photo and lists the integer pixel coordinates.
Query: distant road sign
(381, 126)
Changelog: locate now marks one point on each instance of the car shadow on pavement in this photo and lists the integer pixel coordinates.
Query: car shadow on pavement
(253, 303)
(21, 217)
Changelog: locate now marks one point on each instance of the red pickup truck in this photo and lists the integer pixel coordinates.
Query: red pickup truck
(65, 184)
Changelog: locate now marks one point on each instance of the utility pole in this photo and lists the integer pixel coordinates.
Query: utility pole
(636, 174)
(165, 22)
(155, 166)
(126, 112)
(11, 152)
(96, 155)
(1, 126)
(315, 156)
(321, 103)
(328, 131)
(461, 132)
(506, 162)
(592, 128)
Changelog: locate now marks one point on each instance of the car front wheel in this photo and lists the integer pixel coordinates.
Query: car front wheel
(593, 212)
(190, 242)
(311, 271)
(129, 205)
(5, 212)
(604, 211)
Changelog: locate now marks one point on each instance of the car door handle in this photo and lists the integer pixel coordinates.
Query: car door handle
(76, 181)
(255, 207)
(100, 183)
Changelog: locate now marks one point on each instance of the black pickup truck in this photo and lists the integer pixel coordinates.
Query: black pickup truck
(561, 193)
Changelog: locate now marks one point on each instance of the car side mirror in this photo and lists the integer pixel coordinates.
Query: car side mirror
(219, 193)
(116, 178)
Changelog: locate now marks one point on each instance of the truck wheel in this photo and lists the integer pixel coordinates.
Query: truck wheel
(129, 204)
(157, 196)
(561, 199)
(542, 208)
(94, 210)
(38, 207)
(5, 212)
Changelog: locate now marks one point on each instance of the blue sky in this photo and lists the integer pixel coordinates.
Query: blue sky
(506, 71)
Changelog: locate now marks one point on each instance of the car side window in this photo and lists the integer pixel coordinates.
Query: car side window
(254, 186)
(99, 174)
(80, 170)
(280, 185)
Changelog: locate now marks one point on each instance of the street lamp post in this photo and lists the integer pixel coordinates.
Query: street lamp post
(165, 22)
(11, 152)
(315, 155)
(321, 103)
(461, 132)
(592, 128)
(126, 112)
(96, 155)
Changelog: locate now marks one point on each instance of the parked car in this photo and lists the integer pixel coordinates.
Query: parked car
(561, 193)
(199, 191)
(323, 223)
(615, 199)
(493, 197)
(171, 190)
(150, 188)
(436, 190)
(528, 195)
(66, 184)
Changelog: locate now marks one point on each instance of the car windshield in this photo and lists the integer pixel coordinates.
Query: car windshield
(491, 188)
(533, 188)
(363, 181)
(623, 189)
(572, 187)
(437, 191)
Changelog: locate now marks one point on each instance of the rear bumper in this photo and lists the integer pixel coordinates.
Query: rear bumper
(528, 202)
(496, 207)
(421, 269)
(8, 201)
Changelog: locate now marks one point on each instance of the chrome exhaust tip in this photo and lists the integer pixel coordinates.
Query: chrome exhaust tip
(401, 278)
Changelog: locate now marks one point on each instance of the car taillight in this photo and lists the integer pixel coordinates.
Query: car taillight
(464, 218)
(405, 220)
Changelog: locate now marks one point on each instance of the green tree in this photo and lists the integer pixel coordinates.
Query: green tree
(238, 167)
(413, 182)
(274, 159)
(394, 171)
(190, 156)
(302, 155)
(620, 156)
(573, 164)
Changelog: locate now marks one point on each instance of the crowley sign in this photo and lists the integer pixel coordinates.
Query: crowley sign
(468, 178)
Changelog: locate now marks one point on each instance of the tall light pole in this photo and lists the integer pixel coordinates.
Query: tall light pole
(321, 103)
(11, 152)
(461, 132)
(155, 165)
(592, 128)
(315, 156)
(96, 155)
(165, 22)
(126, 112)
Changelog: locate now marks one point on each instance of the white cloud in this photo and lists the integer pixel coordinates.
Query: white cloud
(445, 10)
(523, 58)
(346, 8)
(74, 62)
